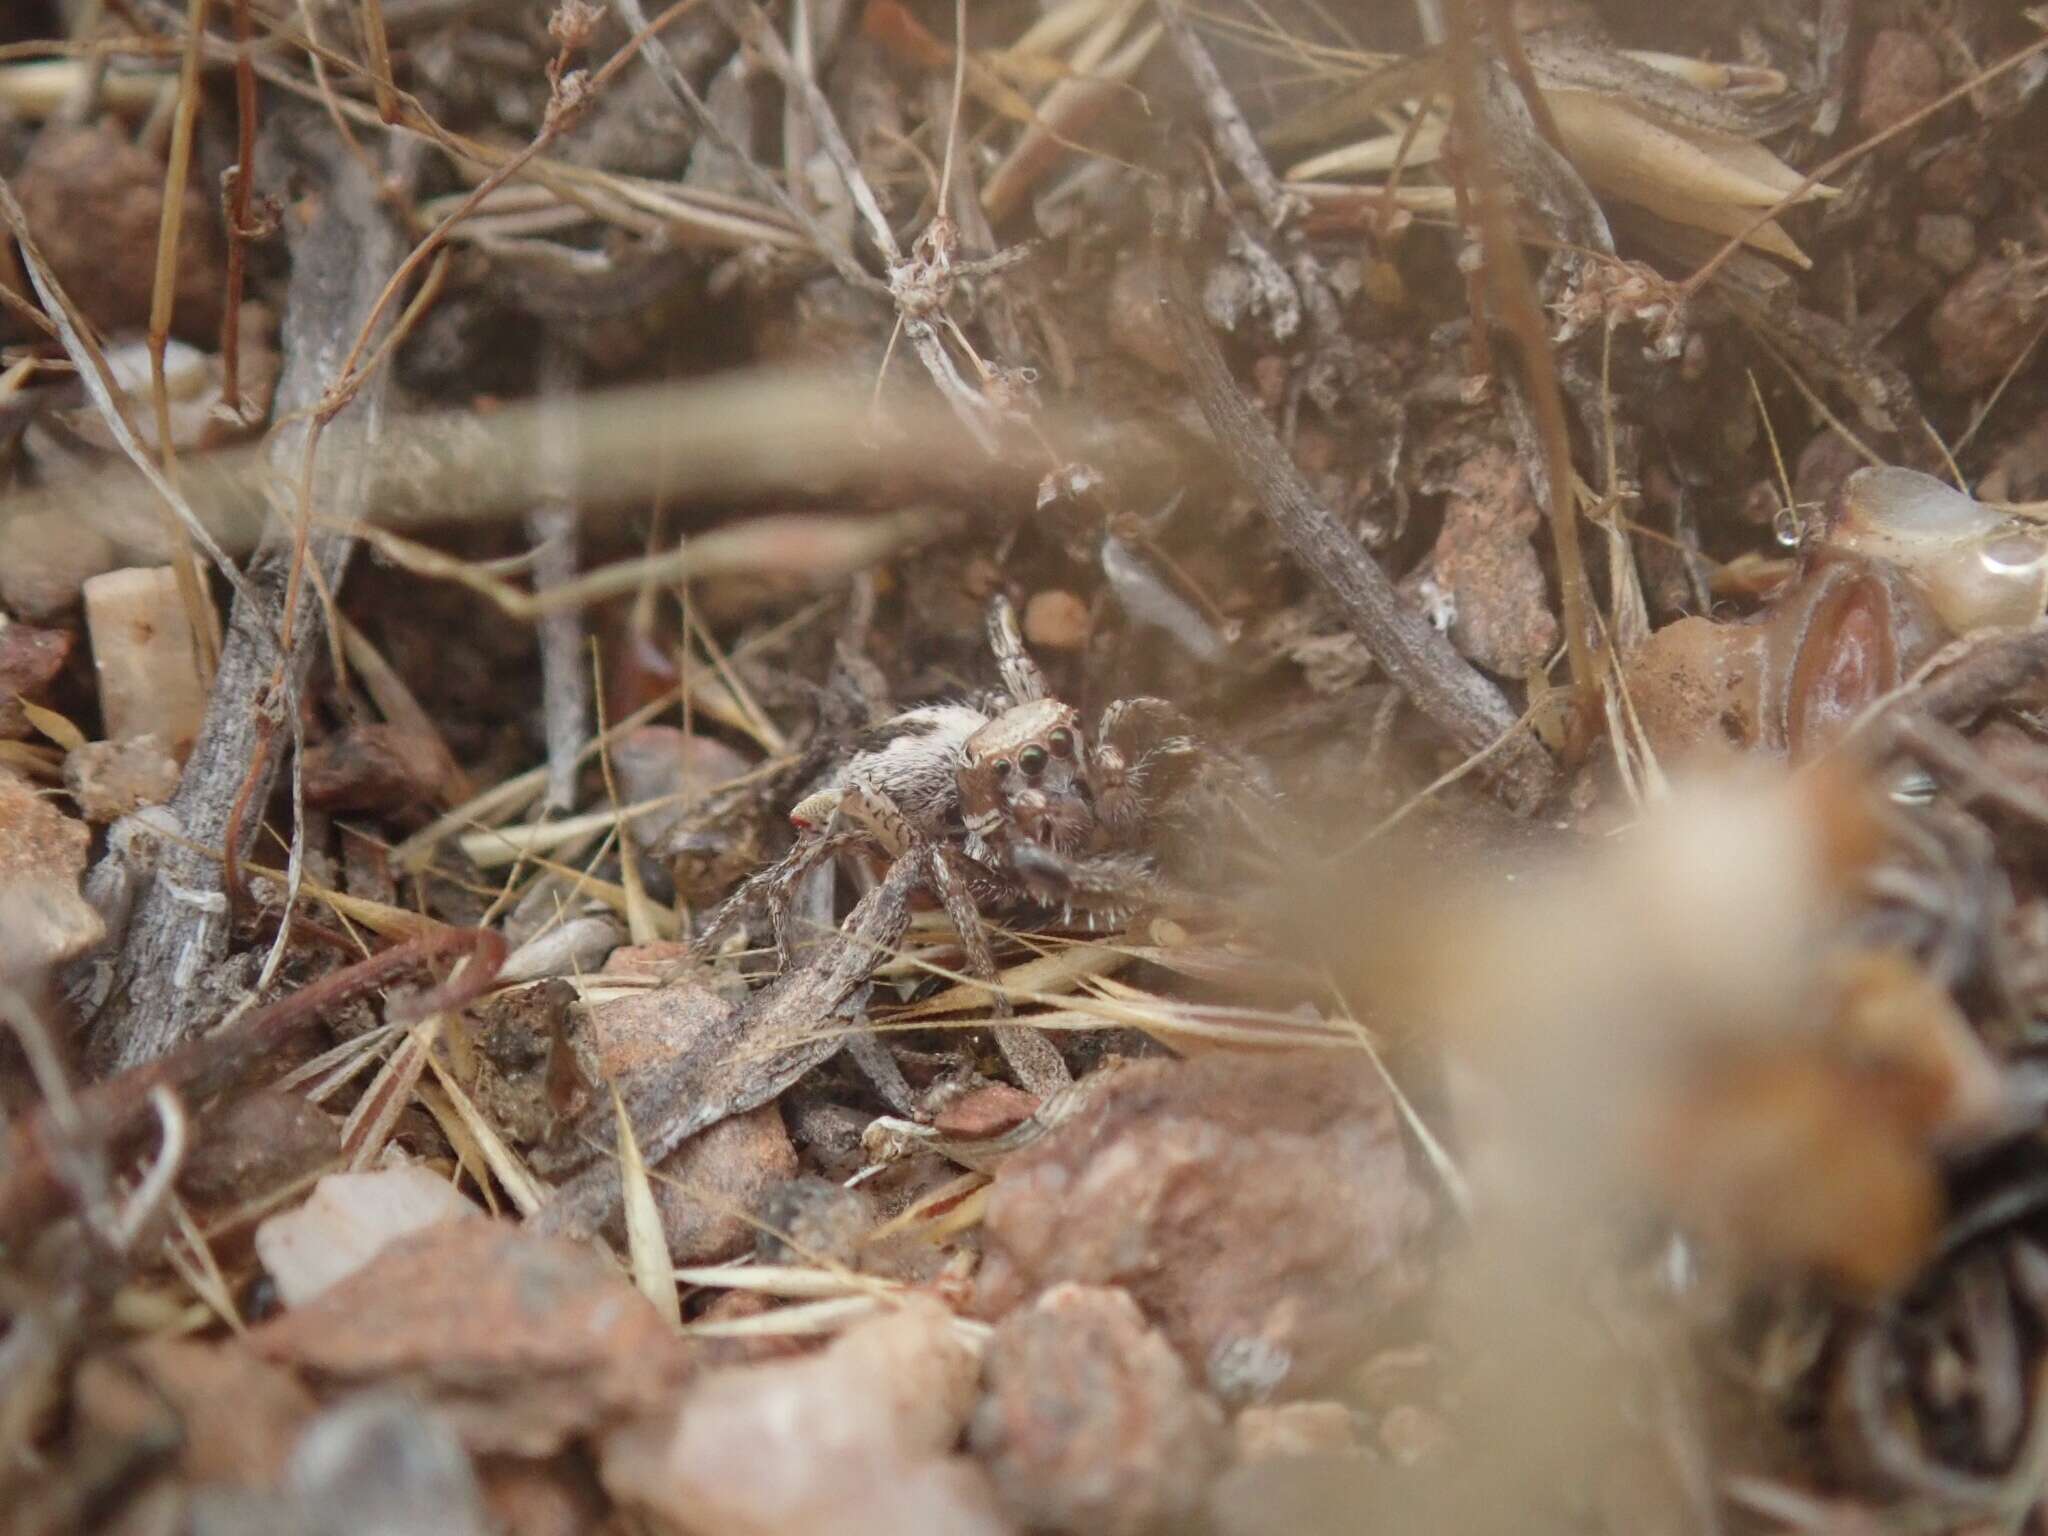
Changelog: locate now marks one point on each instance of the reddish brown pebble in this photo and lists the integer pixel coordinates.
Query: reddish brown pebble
(649, 1028)
(46, 559)
(1945, 241)
(109, 779)
(987, 1111)
(1409, 1434)
(1957, 179)
(1282, 1431)
(1137, 324)
(1090, 1423)
(42, 855)
(94, 202)
(30, 659)
(542, 1498)
(648, 960)
(1985, 323)
(232, 1416)
(1484, 559)
(255, 1145)
(1901, 75)
(524, 1342)
(1259, 1209)
(1269, 377)
(709, 1188)
(1056, 621)
(375, 767)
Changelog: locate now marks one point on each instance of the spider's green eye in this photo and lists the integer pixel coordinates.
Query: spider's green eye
(1002, 767)
(1032, 761)
(1061, 741)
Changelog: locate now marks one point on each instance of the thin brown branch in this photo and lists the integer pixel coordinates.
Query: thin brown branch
(1444, 686)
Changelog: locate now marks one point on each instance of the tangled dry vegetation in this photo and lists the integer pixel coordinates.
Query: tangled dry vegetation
(1067, 765)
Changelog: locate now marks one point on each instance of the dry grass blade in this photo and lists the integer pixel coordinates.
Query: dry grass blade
(525, 1190)
(646, 1244)
(803, 1321)
(785, 1280)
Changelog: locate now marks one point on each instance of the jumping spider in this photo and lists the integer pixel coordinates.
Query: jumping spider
(1007, 804)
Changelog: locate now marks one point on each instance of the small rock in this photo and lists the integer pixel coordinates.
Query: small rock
(1137, 320)
(43, 919)
(1958, 179)
(94, 202)
(524, 1342)
(1090, 1423)
(376, 767)
(1901, 75)
(660, 762)
(380, 1461)
(1411, 1433)
(232, 1415)
(30, 659)
(46, 558)
(653, 1027)
(1258, 1208)
(650, 961)
(111, 779)
(1283, 1431)
(542, 1498)
(828, 1442)
(1946, 242)
(574, 947)
(809, 1220)
(255, 1145)
(1312, 1496)
(1056, 621)
(710, 1186)
(349, 1219)
(1984, 324)
(142, 650)
(987, 1111)
(1486, 565)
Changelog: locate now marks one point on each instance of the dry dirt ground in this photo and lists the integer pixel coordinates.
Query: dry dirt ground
(1088, 766)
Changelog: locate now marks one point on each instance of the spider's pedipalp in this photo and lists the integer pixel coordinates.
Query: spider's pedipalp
(1020, 673)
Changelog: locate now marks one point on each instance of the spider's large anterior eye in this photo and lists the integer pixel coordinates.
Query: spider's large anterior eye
(1002, 766)
(1032, 761)
(1062, 742)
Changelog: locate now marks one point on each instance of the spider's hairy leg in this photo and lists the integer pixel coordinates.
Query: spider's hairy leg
(773, 891)
(1021, 676)
(1098, 891)
(1035, 1059)
(868, 806)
